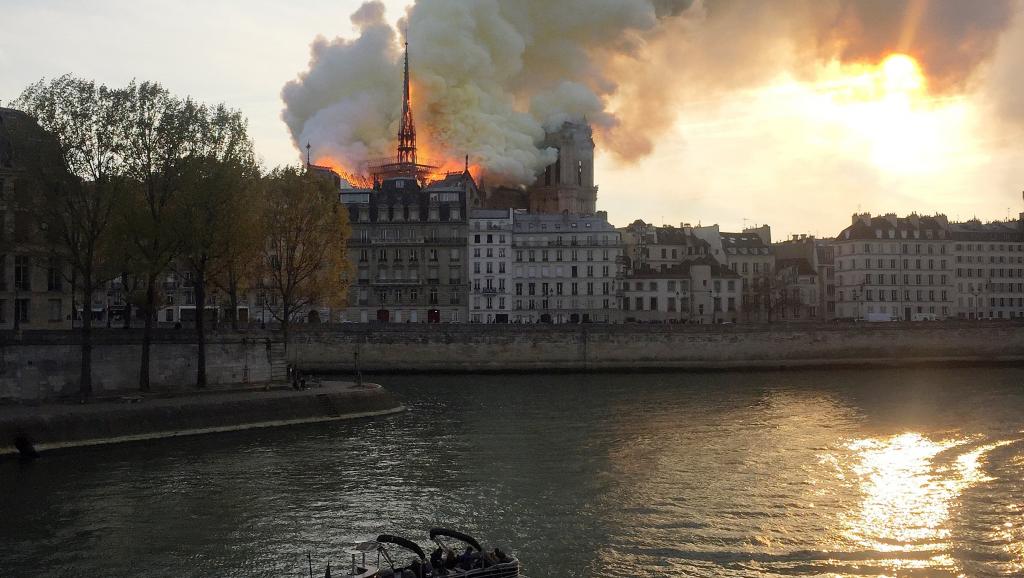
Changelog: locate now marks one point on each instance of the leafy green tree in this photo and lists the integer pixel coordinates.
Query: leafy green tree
(215, 181)
(305, 234)
(162, 133)
(75, 203)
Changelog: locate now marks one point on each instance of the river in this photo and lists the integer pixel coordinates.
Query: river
(848, 473)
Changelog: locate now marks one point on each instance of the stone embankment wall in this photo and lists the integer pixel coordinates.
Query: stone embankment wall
(472, 348)
(45, 365)
(56, 426)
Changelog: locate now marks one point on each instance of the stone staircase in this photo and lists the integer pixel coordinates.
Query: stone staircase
(278, 363)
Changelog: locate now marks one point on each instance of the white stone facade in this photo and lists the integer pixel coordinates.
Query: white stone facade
(989, 269)
(490, 265)
(565, 269)
(899, 268)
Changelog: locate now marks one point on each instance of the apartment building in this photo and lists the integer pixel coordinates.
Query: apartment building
(490, 265)
(899, 268)
(989, 274)
(565, 268)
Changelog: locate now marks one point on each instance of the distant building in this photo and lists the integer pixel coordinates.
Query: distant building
(567, 186)
(695, 291)
(408, 250)
(661, 248)
(565, 268)
(749, 255)
(819, 254)
(34, 288)
(797, 293)
(989, 269)
(895, 267)
(490, 265)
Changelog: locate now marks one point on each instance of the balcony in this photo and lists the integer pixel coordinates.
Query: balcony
(398, 282)
(408, 241)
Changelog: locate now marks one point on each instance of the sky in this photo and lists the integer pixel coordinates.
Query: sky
(705, 112)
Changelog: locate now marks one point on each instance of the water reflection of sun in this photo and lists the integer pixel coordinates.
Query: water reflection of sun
(905, 502)
(908, 495)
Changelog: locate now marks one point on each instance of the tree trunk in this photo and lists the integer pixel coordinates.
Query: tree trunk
(147, 333)
(85, 378)
(127, 301)
(233, 299)
(200, 286)
(285, 322)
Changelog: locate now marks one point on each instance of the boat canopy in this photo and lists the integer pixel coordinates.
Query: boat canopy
(435, 532)
(404, 543)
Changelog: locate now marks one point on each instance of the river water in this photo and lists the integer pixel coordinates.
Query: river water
(845, 473)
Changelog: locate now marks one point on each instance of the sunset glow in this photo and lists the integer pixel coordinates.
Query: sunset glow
(882, 112)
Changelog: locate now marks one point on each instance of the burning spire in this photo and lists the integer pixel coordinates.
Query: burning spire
(407, 132)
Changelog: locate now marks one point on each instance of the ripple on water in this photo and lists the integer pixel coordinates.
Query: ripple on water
(910, 473)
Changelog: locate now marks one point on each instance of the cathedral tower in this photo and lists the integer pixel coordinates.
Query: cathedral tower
(567, 186)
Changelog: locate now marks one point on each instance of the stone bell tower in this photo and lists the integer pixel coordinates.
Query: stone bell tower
(567, 186)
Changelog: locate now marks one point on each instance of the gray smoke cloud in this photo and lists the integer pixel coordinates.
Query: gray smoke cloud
(490, 76)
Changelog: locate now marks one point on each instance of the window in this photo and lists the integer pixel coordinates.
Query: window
(54, 278)
(21, 310)
(22, 276)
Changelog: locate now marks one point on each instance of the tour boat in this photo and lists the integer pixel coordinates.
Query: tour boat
(480, 564)
(487, 565)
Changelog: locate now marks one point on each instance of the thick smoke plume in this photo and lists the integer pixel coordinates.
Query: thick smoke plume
(490, 76)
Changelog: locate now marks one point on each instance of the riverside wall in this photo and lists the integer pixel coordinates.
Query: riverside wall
(42, 365)
(593, 347)
(68, 425)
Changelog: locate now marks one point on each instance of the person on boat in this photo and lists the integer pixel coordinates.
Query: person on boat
(437, 558)
(466, 560)
(500, 556)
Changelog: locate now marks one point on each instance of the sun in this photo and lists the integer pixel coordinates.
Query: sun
(901, 75)
(885, 109)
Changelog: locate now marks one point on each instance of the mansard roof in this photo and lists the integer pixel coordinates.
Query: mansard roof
(742, 241)
(802, 266)
(682, 270)
(867, 227)
(975, 230)
(24, 145)
(674, 236)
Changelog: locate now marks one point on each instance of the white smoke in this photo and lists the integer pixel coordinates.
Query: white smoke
(490, 76)
(346, 105)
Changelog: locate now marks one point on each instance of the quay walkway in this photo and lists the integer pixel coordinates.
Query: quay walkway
(27, 429)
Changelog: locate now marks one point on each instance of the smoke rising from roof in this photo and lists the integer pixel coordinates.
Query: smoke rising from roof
(489, 76)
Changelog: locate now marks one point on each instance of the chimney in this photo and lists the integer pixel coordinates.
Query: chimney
(915, 220)
(891, 217)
